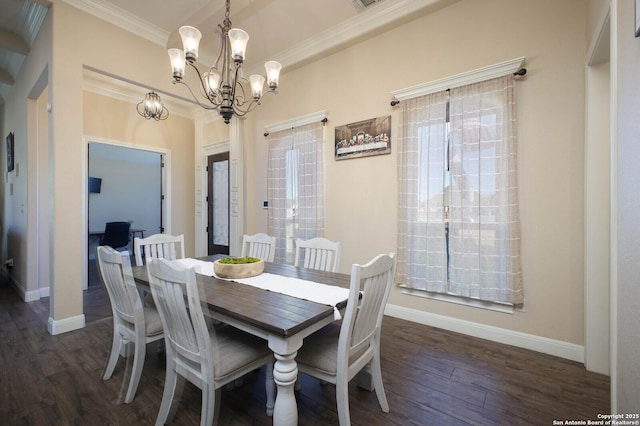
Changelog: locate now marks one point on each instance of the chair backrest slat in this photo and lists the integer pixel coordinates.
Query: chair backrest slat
(115, 272)
(175, 294)
(259, 245)
(368, 294)
(158, 246)
(318, 253)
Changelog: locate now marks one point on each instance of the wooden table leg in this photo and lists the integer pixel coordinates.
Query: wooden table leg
(270, 387)
(285, 373)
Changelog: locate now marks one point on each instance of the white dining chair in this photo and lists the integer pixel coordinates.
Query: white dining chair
(259, 245)
(132, 322)
(207, 357)
(163, 246)
(336, 353)
(318, 253)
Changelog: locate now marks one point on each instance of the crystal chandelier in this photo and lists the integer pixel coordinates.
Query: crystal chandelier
(151, 107)
(223, 85)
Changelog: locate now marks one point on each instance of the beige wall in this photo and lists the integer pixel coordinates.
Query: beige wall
(361, 202)
(22, 114)
(215, 131)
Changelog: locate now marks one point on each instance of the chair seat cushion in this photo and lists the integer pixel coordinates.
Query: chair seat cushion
(320, 350)
(235, 349)
(152, 322)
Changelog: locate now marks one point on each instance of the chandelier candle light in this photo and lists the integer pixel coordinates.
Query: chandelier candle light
(151, 107)
(224, 86)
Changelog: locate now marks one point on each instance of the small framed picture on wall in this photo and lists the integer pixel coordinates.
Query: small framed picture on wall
(10, 163)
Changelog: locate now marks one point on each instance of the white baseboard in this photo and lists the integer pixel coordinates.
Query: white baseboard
(27, 296)
(44, 292)
(545, 345)
(67, 324)
(54, 327)
(31, 295)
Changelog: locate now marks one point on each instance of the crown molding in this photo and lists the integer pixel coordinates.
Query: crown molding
(357, 27)
(122, 19)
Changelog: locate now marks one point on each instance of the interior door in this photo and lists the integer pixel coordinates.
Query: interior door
(218, 203)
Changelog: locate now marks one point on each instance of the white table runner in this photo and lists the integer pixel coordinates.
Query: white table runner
(302, 289)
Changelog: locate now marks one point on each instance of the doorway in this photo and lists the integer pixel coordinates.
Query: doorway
(125, 185)
(218, 203)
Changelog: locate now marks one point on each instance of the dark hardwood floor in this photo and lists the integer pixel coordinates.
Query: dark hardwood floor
(431, 377)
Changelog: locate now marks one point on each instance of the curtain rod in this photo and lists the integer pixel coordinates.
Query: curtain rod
(323, 121)
(519, 73)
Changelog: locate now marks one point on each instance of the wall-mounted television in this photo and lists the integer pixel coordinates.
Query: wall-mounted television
(94, 185)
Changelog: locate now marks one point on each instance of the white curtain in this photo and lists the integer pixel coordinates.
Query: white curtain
(422, 255)
(295, 187)
(484, 229)
(472, 247)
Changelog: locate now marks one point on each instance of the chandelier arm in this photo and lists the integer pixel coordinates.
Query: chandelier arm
(242, 97)
(210, 98)
(252, 105)
(253, 101)
(162, 115)
(140, 109)
(241, 110)
(195, 98)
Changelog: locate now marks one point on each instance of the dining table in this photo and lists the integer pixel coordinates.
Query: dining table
(283, 320)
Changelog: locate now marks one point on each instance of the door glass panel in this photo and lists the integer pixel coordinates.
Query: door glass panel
(221, 203)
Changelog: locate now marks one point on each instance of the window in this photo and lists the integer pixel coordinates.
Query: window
(295, 187)
(458, 216)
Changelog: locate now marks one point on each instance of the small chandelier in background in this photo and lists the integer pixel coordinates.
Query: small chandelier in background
(151, 107)
(223, 86)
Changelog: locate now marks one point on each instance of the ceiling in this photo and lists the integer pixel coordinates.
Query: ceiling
(20, 21)
(290, 31)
